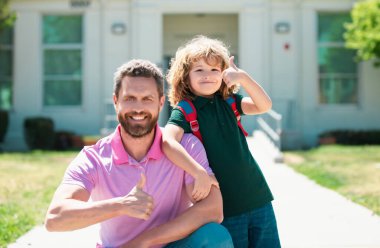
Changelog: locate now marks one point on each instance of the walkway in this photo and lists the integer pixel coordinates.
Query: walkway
(308, 215)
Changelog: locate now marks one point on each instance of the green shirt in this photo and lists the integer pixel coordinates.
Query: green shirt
(241, 181)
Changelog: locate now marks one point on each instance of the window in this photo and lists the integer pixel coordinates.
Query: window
(62, 60)
(338, 80)
(6, 68)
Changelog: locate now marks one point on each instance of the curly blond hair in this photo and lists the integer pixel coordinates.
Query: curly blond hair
(200, 47)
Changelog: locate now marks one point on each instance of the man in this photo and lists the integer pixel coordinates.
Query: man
(138, 196)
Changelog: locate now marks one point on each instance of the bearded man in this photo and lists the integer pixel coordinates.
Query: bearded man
(126, 183)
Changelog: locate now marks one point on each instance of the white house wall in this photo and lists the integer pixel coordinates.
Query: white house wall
(28, 86)
(317, 117)
(289, 75)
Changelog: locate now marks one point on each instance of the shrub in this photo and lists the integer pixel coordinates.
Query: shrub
(66, 140)
(353, 137)
(39, 133)
(4, 119)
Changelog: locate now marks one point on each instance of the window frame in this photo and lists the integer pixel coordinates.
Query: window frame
(60, 47)
(334, 44)
(10, 47)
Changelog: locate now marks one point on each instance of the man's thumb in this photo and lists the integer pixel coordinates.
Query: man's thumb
(141, 183)
(232, 63)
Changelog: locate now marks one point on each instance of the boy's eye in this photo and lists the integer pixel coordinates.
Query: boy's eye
(215, 69)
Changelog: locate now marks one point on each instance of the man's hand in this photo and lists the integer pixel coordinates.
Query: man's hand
(202, 185)
(138, 203)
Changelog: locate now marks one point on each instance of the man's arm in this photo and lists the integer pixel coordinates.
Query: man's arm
(70, 209)
(202, 212)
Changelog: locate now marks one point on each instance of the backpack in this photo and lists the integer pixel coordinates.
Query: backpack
(187, 108)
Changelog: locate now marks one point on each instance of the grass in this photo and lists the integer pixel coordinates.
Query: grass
(27, 184)
(353, 171)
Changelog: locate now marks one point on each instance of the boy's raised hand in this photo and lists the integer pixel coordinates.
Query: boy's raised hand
(202, 185)
(232, 75)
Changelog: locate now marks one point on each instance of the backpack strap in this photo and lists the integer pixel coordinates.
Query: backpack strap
(232, 102)
(190, 113)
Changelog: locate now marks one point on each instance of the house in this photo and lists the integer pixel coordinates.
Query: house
(60, 60)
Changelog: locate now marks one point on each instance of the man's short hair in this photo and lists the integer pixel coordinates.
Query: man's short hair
(138, 68)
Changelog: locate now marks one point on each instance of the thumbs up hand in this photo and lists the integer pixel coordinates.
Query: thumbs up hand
(232, 75)
(138, 203)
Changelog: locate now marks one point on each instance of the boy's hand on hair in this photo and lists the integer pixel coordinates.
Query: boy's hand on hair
(202, 185)
(232, 75)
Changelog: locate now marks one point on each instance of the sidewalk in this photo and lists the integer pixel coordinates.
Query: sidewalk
(308, 215)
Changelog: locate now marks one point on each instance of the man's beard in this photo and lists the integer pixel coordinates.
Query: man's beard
(137, 130)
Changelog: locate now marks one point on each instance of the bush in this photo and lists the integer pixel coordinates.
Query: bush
(353, 137)
(66, 140)
(39, 133)
(4, 119)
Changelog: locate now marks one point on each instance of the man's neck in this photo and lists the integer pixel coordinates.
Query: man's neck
(137, 147)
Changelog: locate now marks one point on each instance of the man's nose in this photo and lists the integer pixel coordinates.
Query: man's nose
(138, 106)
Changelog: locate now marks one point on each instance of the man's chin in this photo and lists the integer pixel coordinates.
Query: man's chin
(138, 132)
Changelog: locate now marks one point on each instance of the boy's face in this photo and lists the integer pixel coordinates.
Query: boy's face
(205, 78)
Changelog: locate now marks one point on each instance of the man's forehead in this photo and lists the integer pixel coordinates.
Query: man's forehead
(139, 84)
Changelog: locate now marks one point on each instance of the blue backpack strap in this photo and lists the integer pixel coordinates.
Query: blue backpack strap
(232, 102)
(190, 113)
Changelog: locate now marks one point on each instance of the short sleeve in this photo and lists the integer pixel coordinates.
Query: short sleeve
(177, 118)
(81, 172)
(239, 98)
(195, 149)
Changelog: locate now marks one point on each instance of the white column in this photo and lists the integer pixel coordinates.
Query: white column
(253, 48)
(147, 32)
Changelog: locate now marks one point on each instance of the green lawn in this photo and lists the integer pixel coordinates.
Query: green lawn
(353, 171)
(27, 184)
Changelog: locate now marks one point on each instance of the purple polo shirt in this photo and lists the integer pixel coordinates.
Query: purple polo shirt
(106, 170)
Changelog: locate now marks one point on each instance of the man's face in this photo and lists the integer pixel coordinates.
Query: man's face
(138, 105)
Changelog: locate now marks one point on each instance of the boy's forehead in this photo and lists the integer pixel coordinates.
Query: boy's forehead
(210, 60)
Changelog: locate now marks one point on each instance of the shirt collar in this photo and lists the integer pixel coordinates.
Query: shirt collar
(200, 101)
(120, 155)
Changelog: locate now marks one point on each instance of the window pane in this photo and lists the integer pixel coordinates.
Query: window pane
(62, 29)
(62, 92)
(5, 63)
(6, 36)
(330, 26)
(5, 94)
(338, 90)
(62, 62)
(336, 60)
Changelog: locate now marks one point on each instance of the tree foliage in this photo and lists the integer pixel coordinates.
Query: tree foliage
(7, 17)
(363, 33)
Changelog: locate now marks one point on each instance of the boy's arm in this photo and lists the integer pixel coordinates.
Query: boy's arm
(258, 101)
(208, 210)
(171, 137)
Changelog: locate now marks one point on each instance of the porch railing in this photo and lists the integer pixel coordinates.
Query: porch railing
(271, 124)
(110, 121)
